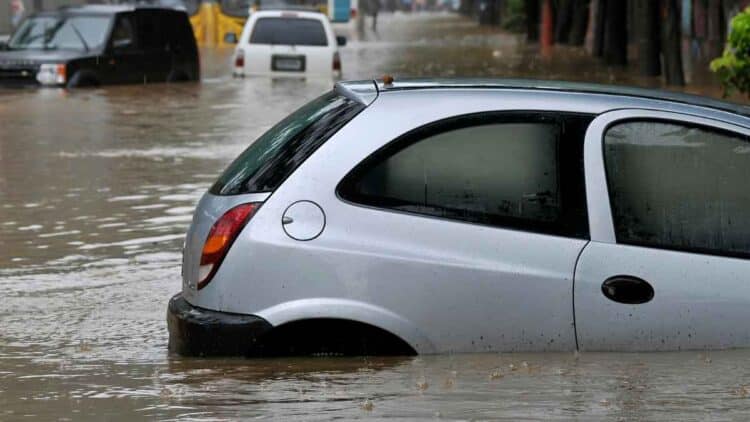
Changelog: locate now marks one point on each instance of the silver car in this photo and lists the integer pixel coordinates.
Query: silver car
(434, 216)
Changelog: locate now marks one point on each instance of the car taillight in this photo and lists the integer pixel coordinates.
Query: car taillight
(353, 13)
(239, 59)
(336, 61)
(220, 239)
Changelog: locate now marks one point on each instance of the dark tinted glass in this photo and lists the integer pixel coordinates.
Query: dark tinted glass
(277, 153)
(289, 31)
(123, 36)
(521, 172)
(682, 187)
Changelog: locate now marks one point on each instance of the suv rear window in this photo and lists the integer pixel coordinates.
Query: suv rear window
(289, 31)
(264, 165)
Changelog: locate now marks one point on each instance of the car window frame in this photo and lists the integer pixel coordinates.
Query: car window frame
(601, 218)
(654, 245)
(257, 21)
(134, 46)
(437, 127)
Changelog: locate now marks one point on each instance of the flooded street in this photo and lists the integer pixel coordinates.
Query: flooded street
(97, 188)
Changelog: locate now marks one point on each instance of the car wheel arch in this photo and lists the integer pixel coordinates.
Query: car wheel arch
(349, 310)
(178, 75)
(84, 78)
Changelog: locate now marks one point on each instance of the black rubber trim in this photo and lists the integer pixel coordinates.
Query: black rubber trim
(196, 331)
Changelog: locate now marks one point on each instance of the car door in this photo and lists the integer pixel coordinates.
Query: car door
(473, 227)
(125, 59)
(153, 27)
(668, 266)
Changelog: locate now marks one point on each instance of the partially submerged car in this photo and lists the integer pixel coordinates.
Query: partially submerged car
(288, 43)
(433, 216)
(101, 44)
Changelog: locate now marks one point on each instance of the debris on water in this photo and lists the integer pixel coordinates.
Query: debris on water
(705, 358)
(448, 383)
(496, 374)
(84, 346)
(367, 405)
(168, 392)
(512, 367)
(743, 391)
(604, 402)
(422, 385)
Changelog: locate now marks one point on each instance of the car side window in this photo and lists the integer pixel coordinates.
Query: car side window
(123, 35)
(679, 186)
(518, 171)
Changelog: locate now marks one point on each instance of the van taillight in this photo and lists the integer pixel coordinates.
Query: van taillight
(220, 239)
(336, 61)
(239, 59)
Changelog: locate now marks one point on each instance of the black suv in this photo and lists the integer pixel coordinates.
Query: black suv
(105, 44)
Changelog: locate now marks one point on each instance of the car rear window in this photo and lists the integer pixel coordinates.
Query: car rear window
(289, 31)
(264, 165)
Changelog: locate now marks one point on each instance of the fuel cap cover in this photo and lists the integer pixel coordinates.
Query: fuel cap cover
(303, 220)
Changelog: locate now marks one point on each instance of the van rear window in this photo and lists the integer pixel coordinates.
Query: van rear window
(274, 156)
(289, 31)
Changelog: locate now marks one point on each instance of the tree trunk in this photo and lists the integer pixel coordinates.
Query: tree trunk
(597, 27)
(648, 37)
(563, 21)
(714, 28)
(671, 42)
(547, 36)
(580, 22)
(616, 32)
(532, 20)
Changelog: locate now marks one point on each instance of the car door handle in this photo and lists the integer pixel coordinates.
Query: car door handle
(627, 289)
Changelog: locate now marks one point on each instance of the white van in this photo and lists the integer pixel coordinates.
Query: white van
(288, 43)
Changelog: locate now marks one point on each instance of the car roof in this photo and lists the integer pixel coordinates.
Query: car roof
(291, 12)
(366, 91)
(101, 9)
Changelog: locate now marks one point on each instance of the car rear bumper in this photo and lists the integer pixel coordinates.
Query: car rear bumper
(196, 331)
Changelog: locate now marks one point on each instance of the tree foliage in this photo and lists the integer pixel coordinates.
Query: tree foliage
(733, 67)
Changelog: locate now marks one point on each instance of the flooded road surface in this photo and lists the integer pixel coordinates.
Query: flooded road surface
(97, 188)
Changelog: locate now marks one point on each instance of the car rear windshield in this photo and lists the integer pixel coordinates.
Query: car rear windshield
(289, 31)
(264, 165)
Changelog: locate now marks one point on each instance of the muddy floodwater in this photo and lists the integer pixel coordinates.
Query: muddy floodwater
(98, 186)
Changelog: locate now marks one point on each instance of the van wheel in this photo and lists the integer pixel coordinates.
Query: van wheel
(83, 79)
(177, 76)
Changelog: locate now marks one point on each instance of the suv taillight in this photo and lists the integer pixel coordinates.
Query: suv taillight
(239, 59)
(220, 239)
(336, 61)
